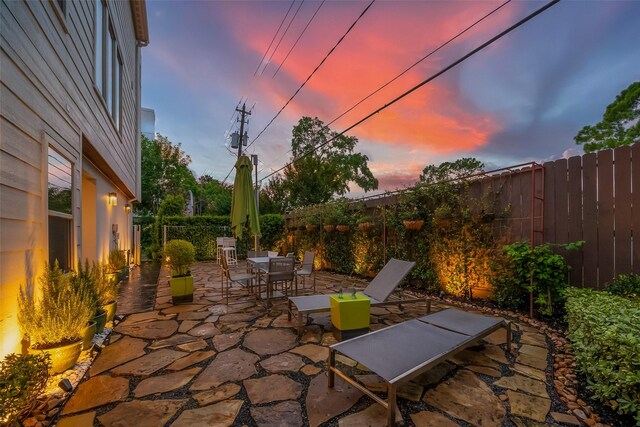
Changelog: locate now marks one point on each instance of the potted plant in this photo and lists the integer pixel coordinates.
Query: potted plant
(84, 281)
(412, 220)
(311, 219)
(365, 223)
(106, 290)
(54, 323)
(118, 264)
(180, 256)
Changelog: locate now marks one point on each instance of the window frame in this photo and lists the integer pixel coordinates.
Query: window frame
(106, 91)
(63, 215)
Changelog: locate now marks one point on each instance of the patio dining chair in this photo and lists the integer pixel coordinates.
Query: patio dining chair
(231, 275)
(306, 270)
(272, 254)
(229, 250)
(281, 272)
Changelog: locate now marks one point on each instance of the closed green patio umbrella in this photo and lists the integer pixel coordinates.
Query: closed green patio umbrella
(243, 202)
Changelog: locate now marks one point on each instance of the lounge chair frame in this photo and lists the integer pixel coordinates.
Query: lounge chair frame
(392, 384)
(379, 291)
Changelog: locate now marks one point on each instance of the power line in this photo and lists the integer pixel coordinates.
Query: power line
(298, 39)
(422, 83)
(313, 72)
(282, 36)
(274, 37)
(416, 63)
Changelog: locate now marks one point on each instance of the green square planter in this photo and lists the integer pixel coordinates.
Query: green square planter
(181, 289)
(349, 313)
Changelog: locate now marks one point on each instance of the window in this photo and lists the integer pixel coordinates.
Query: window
(108, 72)
(59, 191)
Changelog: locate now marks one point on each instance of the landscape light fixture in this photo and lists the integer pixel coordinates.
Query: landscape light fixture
(113, 199)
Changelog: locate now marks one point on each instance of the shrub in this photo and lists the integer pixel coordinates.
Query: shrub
(272, 230)
(61, 313)
(605, 332)
(117, 260)
(180, 255)
(625, 285)
(22, 379)
(84, 281)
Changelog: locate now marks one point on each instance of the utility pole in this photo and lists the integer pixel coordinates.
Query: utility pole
(243, 112)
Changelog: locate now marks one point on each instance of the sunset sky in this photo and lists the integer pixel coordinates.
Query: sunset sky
(523, 98)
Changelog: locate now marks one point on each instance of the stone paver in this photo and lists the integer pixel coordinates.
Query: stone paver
(324, 403)
(141, 413)
(534, 373)
(561, 418)
(192, 359)
(221, 414)
(374, 416)
(484, 370)
(232, 365)
(116, 354)
(285, 362)
(312, 351)
(181, 308)
(82, 420)
(194, 345)
(528, 406)
(269, 341)
(283, 414)
(431, 419)
(310, 370)
(535, 351)
(226, 341)
(453, 396)
(150, 363)
(217, 394)
(206, 330)
(272, 389)
(186, 325)
(533, 338)
(96, 392)
(172, 341)
(149, 330)
(522, 383)
(435, 374)
(165, 383)
(534, 362)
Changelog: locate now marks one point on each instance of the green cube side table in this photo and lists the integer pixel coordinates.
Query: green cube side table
(348, 313)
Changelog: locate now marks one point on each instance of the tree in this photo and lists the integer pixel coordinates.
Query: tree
(458, 169)
(314, 176)
(212, 197)
(620, 124)
(164, 172)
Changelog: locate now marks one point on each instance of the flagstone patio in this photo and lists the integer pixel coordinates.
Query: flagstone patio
(208, 363)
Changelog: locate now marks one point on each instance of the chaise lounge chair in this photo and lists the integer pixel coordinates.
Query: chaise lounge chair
(401, 352)
(379, 292)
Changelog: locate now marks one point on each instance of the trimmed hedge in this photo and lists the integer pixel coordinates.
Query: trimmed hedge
(605, 332)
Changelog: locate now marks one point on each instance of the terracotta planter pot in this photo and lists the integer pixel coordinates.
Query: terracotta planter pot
(343, 228)
(181, 289)
(88, 334)
(62, 357)
(365, 226)
(329, 228)
(111, 310)
(413, 225)
(101, 320)
(311, 227)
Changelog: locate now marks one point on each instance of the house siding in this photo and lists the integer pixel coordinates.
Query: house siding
(48, 99)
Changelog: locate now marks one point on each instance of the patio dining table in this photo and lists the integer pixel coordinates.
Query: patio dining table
(260, 266)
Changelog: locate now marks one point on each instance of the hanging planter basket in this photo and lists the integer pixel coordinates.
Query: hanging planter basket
(413, 225)
(366, 226)
(329, 228)
(343, 228)
(311, 227)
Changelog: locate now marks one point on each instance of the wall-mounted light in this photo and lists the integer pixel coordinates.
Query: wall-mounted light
(127, 208)
(113, 199)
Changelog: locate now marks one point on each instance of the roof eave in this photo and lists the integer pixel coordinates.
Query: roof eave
(140, 24)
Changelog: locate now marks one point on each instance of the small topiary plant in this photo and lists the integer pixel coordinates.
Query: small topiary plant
(625, 285)
(180, 256)
(22, 379)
